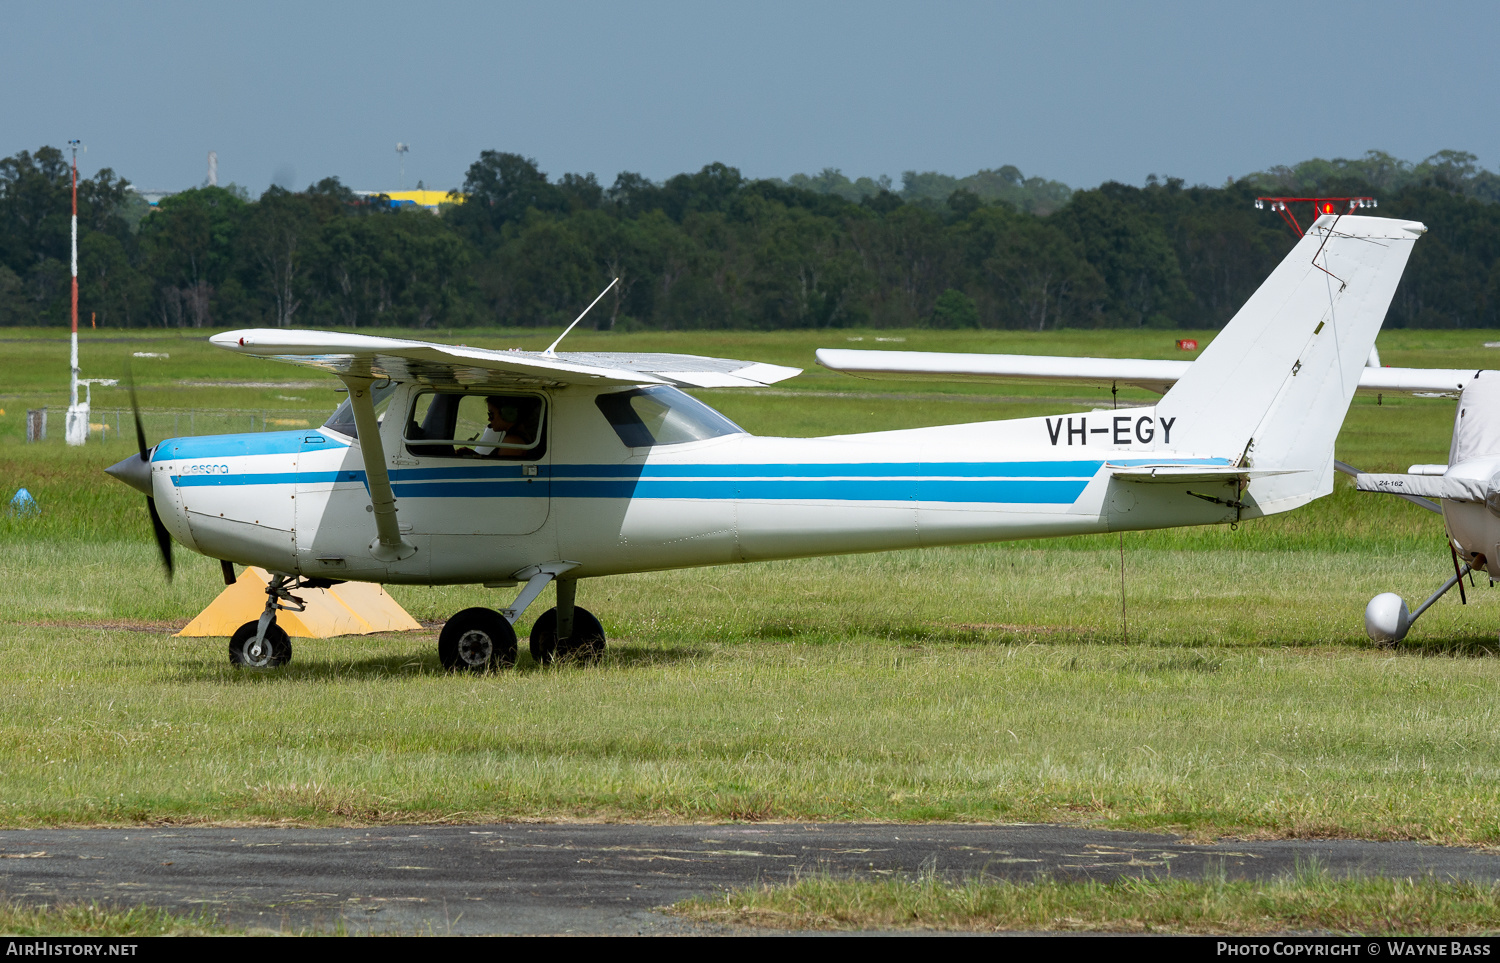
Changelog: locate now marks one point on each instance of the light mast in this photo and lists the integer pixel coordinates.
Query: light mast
(76, 431)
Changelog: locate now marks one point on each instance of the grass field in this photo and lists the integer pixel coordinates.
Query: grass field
(988, 683)
(1308, 901)
(94, 920)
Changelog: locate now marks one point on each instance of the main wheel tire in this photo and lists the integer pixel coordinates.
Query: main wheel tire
(477, 639)
(586, 645)
(276, 652)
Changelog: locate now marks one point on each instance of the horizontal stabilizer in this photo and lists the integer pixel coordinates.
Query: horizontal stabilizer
(365, 356)
(1189, 473)
(1428, 486)
(1155, 375)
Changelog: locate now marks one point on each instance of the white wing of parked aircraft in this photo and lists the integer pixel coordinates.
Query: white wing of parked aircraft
(1146, 373)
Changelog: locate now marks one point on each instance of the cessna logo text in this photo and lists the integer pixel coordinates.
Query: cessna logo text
(206, 470)
(1117, 430)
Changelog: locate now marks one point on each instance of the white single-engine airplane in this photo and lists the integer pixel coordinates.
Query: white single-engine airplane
(596, 464)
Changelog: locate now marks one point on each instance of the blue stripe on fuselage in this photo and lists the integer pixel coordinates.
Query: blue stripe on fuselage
(1021, 482)
(1008, 490)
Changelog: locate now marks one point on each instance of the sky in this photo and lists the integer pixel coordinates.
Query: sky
(290, 93)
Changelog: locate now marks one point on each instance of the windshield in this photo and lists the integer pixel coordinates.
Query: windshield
(342, 419)
(661, 415)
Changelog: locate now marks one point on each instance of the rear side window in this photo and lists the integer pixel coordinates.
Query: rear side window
(662, 415)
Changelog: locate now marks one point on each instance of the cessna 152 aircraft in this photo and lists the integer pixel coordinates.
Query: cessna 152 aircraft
(597, 464)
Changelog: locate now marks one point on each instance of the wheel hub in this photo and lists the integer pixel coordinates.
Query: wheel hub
(258, 653)
(475, 647)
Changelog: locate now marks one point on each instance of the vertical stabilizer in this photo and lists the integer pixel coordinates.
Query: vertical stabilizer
(1274, 386)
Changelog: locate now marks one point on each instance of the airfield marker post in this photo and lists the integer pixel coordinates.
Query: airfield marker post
(76, 424)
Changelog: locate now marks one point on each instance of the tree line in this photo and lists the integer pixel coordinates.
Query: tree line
(714, 249)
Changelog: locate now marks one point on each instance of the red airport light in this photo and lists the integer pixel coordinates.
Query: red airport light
(1320, 205)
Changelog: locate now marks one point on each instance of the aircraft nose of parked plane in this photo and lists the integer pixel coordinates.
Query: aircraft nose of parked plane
(134, 471)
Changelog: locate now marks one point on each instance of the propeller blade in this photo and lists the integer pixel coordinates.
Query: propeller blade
(163, 538)
(135, 410)
(138, 475)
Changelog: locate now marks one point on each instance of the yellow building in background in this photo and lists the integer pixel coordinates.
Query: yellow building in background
(431, 200)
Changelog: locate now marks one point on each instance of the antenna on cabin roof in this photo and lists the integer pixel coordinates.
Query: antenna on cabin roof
(553, 348)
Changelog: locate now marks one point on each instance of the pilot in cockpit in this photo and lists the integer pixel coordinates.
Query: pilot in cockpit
(512, 421)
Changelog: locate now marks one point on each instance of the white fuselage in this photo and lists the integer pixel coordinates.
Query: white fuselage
(297, 503)
(1473, 525)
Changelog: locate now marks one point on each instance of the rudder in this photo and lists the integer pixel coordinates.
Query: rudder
(1274, 386)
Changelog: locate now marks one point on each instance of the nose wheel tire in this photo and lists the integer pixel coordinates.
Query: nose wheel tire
(477, 639)
(585, 646)
(274, 651)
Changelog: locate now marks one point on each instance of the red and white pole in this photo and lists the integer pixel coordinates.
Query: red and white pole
(73, 390)
(77, 431)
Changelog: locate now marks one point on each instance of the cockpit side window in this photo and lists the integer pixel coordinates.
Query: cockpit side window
(342, 419)
(662, 415)
(449, 425)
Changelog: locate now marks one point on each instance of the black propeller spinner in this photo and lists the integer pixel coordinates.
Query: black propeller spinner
(135, 471)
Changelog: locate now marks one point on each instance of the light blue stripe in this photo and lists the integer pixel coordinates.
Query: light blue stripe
(267, 478)
(230, 446)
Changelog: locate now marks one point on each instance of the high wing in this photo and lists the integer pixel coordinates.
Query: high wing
(366, 356)
(1098, 372)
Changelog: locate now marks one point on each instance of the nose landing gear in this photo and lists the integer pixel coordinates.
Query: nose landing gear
(263, 644)
(269, 652)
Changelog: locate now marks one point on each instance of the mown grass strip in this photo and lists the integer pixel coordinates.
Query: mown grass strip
(1310, 900)
(94, 919)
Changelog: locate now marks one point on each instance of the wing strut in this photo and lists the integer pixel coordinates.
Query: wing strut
(388, 546)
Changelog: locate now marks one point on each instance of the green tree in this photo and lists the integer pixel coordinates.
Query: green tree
(953, 309)
(189, 252)
(1130, 250)
(498, 191)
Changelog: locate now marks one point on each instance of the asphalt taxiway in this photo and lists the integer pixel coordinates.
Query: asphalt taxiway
(607, 879)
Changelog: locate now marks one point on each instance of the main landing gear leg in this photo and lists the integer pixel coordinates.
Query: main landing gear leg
(263, 644)
(567, 633)
(567, 593)
(480, 639)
